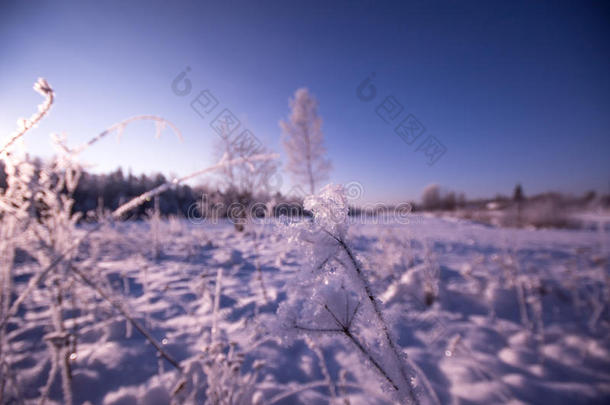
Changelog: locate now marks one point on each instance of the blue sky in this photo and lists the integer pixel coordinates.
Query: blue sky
(515, 91)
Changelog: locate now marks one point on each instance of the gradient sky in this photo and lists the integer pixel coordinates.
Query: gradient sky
(517, 92)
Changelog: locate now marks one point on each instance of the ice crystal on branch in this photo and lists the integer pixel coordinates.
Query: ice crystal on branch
(331, 295)
(330, 209)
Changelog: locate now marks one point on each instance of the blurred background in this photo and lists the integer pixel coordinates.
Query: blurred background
(510, 94)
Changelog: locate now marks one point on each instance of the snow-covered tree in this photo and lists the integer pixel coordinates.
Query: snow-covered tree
(431, 197)
(304, 141)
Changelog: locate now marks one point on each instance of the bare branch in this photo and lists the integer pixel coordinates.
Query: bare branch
(119, 126)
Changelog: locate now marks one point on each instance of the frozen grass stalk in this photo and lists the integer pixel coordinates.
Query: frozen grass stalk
(216, 305)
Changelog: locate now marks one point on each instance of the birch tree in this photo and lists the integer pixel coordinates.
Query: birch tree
(304, 141)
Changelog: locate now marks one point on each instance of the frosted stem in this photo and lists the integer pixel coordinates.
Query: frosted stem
(379, 315)
(42, 87)
(51, 376)
(216, 304)
(322, 363)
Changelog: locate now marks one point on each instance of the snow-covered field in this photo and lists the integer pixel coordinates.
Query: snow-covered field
(488, 316)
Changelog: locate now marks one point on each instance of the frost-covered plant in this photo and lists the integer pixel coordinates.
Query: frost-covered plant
(332, 295)
(218, 377)
(16, 205)
(217, 373)
(535, 291)
(41, 86)
(48, 225)
(258, 241)
(225, 382)
(510, 264)
(153, 217)
(483, 286)
(14, 219)
(529, 290)
(36, 216)
(397, 256)
(54, 231)
(431, 276)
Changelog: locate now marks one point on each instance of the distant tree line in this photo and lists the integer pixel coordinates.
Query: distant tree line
(434, 198)
(97, 193)
(542, 210)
